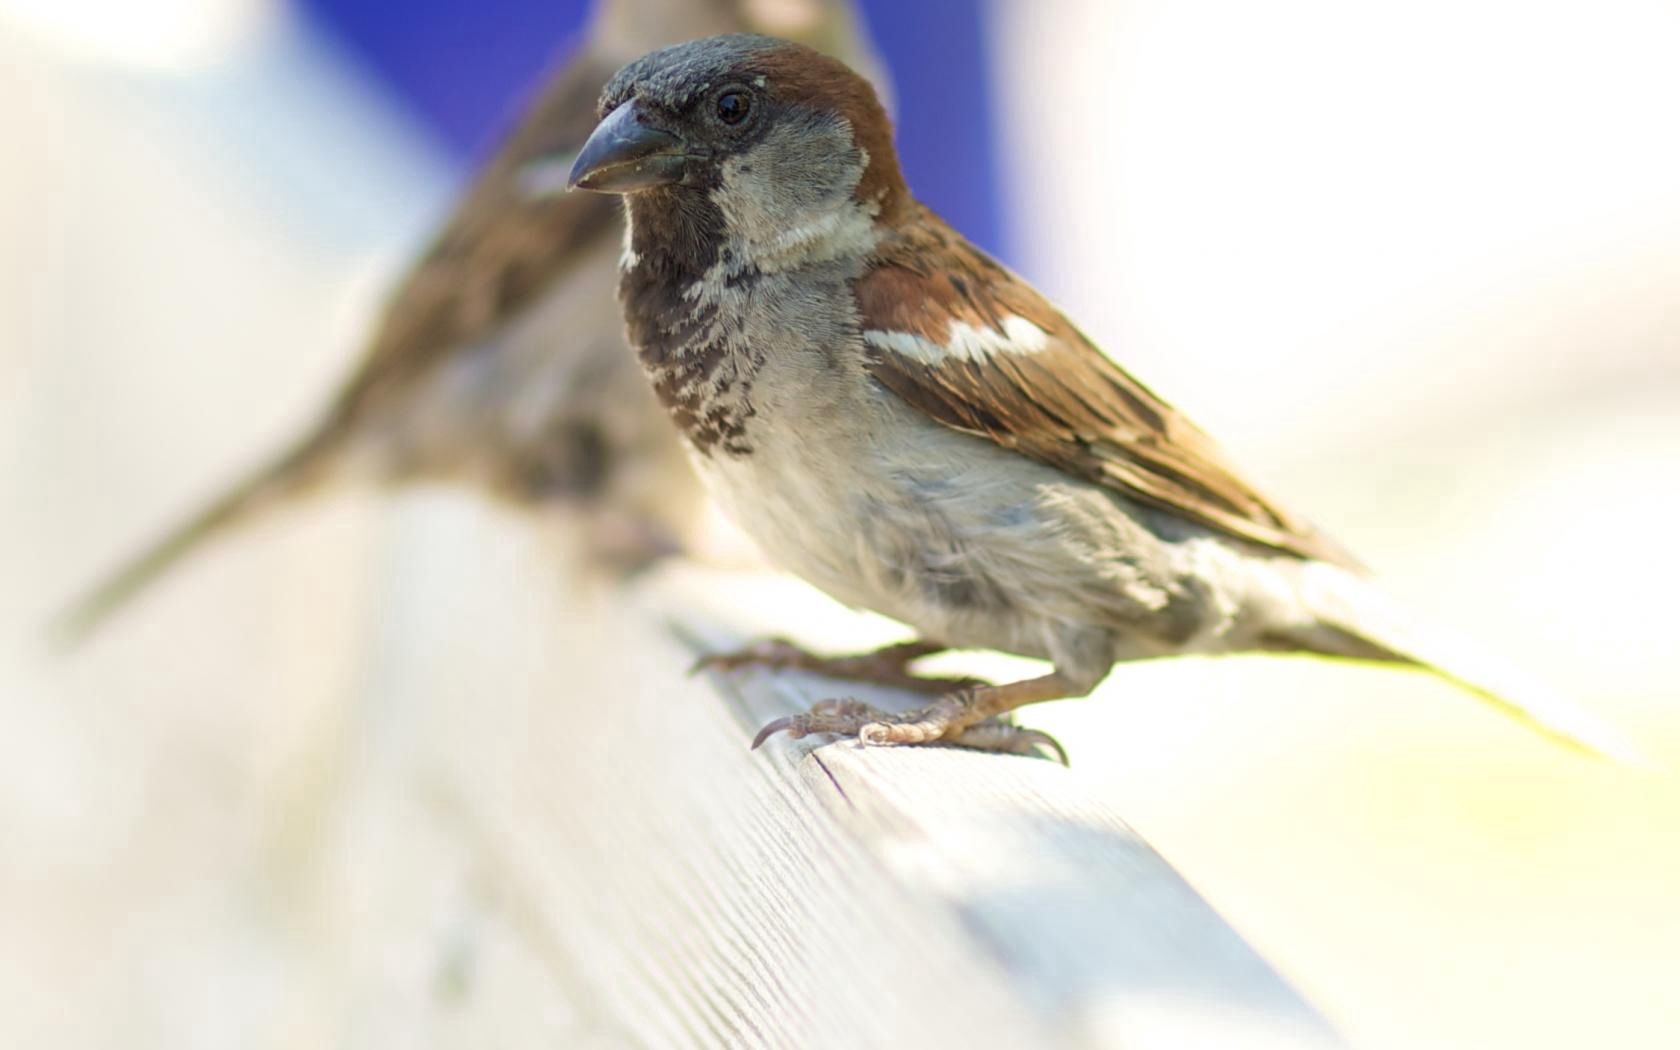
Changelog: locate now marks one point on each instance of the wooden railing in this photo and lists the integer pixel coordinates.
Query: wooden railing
(567, 830)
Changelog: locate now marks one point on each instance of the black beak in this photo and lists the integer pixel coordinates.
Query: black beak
(624, 155)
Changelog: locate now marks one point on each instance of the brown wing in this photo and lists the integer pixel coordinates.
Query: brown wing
(500, 249)
(1057, 399)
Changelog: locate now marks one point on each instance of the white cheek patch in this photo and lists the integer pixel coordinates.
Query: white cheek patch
(628, 259)
(966, 342)
(771, 235)
(788, 201)
(846, 231)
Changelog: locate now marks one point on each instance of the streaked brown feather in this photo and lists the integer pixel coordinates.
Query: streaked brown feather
(500, 249)
(1067, 405)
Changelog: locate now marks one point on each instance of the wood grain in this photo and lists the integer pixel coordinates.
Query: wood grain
(586, 800)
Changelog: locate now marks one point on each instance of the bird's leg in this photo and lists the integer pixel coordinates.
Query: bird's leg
(889, 666)
(968, 717)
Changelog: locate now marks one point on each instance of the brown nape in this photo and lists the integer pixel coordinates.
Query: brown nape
(806, 77)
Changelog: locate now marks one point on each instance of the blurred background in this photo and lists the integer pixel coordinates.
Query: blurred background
(1418, 265)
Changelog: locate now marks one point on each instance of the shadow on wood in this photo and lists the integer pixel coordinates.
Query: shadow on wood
(569, 827)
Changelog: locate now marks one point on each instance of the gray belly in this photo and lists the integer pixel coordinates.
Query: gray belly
(972, 545)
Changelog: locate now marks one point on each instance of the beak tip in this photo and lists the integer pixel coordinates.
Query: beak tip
(622, 156)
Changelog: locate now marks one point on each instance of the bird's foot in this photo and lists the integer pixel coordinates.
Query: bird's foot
(889, 666)
(947, 720)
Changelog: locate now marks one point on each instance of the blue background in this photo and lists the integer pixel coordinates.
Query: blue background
(465, 68)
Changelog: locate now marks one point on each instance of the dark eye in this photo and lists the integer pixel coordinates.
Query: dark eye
(733, 107)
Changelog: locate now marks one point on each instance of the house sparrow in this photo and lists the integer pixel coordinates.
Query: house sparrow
(499, 360)
(912, 428)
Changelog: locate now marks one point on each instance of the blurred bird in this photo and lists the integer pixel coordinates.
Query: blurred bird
(909, 426)
(499, 360)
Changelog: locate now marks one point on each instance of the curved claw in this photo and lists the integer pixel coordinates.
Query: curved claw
(773, 727)
(876, 728)
(1010, 739)
(841, 716)
(1039, 738)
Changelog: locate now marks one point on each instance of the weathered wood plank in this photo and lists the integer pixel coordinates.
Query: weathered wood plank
(682, 891)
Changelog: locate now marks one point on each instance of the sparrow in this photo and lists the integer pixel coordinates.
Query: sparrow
(898, 419)
(499, 360)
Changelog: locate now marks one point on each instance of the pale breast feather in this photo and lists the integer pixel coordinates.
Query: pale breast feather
(957, 336)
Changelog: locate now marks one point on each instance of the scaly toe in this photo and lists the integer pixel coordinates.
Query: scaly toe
(875, 734)
(886, 734)
(1010, 739)
(844, 717)
(770, 652)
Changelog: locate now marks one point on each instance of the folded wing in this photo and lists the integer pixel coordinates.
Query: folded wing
(962, 339)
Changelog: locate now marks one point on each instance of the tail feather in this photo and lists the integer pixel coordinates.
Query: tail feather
(289, 475)
(1350, 608)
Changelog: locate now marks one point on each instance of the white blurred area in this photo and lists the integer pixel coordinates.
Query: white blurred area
(1419, 265)
(201, 205)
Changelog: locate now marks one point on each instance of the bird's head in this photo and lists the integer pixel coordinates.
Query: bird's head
(747, 139)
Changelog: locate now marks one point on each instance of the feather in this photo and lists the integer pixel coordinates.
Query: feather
(1362, 614)
(959, 337)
